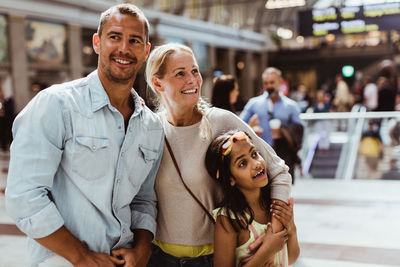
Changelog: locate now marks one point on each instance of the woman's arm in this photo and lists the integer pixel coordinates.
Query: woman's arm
(284, 213)
(272, 243)
(225, 242)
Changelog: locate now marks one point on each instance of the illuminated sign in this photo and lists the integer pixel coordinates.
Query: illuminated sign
(356, 19)
(348, 71)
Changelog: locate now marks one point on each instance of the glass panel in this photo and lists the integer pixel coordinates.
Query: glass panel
(354, 145)
(46, 42)
(3, 39)
(379, 152)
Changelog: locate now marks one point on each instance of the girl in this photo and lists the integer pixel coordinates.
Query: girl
(244, 215)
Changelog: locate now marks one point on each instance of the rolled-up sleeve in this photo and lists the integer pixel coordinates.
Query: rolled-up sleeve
(36, 153)
(144, 204)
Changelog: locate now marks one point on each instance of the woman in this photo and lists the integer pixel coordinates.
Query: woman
(184, 230)
(225, 92)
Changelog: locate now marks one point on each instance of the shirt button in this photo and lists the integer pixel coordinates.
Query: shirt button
(123, 231)
(122, 154)
(93, 147)
(118, 180)
(119, 127)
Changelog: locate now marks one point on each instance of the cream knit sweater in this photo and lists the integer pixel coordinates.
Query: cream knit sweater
(181, 220)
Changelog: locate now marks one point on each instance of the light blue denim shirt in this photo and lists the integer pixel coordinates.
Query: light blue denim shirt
(285, 109)
(71, 142)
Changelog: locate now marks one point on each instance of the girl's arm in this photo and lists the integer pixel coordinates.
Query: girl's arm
(284, 213)
(225, 241)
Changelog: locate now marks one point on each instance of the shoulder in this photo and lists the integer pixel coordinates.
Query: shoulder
(221, 119)
(257, 100)
(151, 119)
(56, 95)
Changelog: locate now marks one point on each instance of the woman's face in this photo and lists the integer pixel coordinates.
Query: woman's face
(233, 95)
(181, 84)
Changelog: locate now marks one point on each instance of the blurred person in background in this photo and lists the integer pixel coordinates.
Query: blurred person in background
(301, 97)
(393, 173)
(343, 100)
(370, 94)
(286, 132)
(386, 95)
(322, 126)
(3, 122)
(6, 113)
(371, 148)
(225, 92)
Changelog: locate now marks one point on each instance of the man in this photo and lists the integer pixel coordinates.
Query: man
(85, 155)
(283, 114)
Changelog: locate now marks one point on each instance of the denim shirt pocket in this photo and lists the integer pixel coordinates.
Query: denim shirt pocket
(148, 154)
(91, 157)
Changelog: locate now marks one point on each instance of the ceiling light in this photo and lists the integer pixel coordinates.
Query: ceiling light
(273, 4)
(300, 39)
(284, 33)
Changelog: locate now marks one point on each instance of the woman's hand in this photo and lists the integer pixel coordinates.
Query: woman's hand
(284, 213)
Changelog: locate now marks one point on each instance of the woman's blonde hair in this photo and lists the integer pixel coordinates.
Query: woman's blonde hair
(156, 67)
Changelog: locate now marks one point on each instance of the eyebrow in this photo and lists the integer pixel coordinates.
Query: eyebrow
(241, 156)
(119, 33)
(182, 68)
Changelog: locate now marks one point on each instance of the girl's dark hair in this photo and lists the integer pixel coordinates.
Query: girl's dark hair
(221, 92)
(233, 202)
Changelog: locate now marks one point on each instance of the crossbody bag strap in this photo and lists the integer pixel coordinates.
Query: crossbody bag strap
(184, 184)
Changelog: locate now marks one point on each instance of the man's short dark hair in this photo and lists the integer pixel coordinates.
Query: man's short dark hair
(124, 9)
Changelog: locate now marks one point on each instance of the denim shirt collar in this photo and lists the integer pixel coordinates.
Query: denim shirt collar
(99, 97)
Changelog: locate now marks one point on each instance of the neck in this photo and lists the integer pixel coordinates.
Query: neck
(253, 198)
(119, 95)
(274, 97)
(183, 116)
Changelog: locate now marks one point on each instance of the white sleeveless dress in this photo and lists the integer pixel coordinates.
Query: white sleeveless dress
(256, 229)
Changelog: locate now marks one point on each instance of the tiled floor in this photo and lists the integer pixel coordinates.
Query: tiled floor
(340, 224)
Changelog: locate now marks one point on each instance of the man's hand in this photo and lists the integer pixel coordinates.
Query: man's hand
(93, 259)
(254, 121)
(133, 257)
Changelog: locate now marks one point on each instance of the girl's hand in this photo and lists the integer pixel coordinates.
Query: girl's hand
(284, 213)
(274, 242)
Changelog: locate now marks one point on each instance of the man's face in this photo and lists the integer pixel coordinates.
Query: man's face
(122, 48)
(271, 83)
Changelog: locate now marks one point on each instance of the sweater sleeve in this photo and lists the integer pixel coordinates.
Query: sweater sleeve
(278, 172)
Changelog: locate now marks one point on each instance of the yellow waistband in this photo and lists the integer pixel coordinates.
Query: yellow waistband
(181, 251)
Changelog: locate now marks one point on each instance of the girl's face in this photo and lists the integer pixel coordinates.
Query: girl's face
(247, 167)
(181, 84)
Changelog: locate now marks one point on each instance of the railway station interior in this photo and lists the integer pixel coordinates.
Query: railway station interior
(347, 198)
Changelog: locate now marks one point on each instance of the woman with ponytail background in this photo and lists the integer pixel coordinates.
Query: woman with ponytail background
(185, 228)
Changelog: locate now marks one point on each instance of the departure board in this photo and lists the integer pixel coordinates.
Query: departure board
(344, 20)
